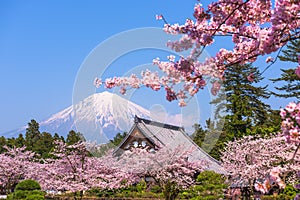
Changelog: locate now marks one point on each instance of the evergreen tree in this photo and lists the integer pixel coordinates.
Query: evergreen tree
(211, 140)
(241, 100)
(74, 137)
(118, 138)
(239, 108)
(32, 135)
(2, 144)
(291, 88)
(198, 135)
(44, 145)
(11, 142)
(56, 137)
(20, 141)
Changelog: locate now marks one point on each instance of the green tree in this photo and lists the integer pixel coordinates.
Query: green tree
(56, 137)
(27, 190)
(240, 108)
(2, 144)
(74, 137)
(241, 100)
(291, 88)
(44, 145)
(11, 142)
(210, 186)
(210, 139)
(118, 138)
(20, 141)
(32, 135)
(198, 135)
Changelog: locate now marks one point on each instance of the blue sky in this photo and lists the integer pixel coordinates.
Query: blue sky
(44, 43)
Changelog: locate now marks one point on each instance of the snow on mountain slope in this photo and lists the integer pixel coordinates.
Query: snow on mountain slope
(99, 118)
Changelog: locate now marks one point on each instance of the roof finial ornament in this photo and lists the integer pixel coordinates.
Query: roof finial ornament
(136, 119)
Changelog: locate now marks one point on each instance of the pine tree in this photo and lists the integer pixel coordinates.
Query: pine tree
(291, 88)
(239, 106)
(44, 145)
(56, 137)
(74, 137)
(2, 144)
(20, 141)
(32, 135)
(241, 100)
(118, 138)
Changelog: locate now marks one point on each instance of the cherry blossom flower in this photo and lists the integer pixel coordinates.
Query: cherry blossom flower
(297, 71)
(251, 77)
(158, 17)
(269, 59)
(257, 28)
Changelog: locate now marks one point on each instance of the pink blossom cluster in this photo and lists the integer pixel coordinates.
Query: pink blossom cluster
(14, 164)
(73, 169)
(168, 164)
(256, 27)
(290, 124)
(257, 158)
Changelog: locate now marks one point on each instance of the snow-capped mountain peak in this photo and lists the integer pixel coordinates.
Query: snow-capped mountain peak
(98, 117)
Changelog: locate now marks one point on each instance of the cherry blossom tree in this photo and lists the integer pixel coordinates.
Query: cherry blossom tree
(168, 167)
(14, 164)
(291, 123)
(255, 26)
(255, 158)
(74, 170)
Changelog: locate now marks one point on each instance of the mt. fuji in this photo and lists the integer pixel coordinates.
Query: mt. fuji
(98, 117)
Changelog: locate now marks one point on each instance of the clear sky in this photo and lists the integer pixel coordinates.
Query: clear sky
(44, 43)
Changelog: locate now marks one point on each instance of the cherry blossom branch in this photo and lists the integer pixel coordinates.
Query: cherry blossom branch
(272, 62)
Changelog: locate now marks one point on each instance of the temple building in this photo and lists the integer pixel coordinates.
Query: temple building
(155, 135)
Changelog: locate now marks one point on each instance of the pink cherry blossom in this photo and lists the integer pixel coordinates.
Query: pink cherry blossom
(260, 158)
(215, 88)
(269, 59)
(297, 71)
(158, 17)
(251, 77)
(257, 28)
(97, 82)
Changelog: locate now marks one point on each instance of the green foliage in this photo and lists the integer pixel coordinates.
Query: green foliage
(141, 186)
(210, 186)
(35, 197)
(241, 100)
(291, 88)
(32, 135)
(2, 144)
(26, 195)
(240, 108)
(118, 138)
(290, 190)
(20, 141)
(44, 145)
(170, 190)
(28, 185)
(134, 191)
(277, 197)
(74, 137)
(156, 189)
(27, 190)
(104, 148)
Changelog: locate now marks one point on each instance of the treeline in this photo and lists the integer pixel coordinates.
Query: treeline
(42, 143)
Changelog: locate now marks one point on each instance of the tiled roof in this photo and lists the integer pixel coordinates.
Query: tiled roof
(172, 136)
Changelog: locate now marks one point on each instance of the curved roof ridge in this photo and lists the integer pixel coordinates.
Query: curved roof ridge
(155, 123)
